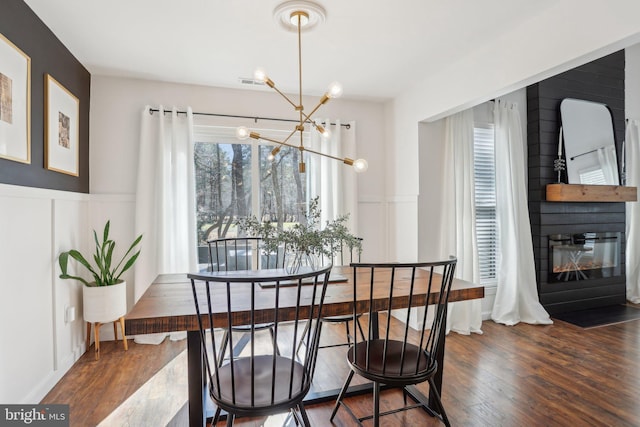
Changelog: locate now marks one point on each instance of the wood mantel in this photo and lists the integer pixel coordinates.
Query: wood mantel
(591, 193)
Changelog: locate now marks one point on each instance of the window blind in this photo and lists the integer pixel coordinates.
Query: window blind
(484, 166)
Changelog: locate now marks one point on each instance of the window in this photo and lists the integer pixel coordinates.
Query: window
(223, 186)
(235, 180)
(485, 183)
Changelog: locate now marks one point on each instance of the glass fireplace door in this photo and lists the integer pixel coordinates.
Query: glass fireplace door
(584, 256)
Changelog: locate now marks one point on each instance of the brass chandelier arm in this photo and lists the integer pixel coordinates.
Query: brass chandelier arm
(275, 141)
(323, 101)
(307, 117)
(284, 96)
(345, 160)
(255, 135)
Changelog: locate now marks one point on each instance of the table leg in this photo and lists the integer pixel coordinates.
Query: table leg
(197, 380)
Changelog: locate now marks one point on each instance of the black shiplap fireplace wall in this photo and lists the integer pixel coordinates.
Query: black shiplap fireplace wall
(600, 81)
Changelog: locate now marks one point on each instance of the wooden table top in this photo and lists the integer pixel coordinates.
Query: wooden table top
(167, 305)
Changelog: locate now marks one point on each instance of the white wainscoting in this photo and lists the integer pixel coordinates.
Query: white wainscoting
(38, 345)
(372, 227)
(402, 214)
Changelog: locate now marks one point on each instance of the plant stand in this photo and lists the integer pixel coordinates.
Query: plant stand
(96, 329)
(101, 305)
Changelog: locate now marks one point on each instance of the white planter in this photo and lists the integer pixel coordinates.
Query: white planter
(104, 303)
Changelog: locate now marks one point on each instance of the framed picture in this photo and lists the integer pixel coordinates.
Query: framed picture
(15, 103)
(61, 124)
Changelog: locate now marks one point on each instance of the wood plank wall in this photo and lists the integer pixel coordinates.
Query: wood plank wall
(600, 81)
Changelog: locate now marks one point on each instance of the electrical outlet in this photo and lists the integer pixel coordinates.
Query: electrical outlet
(70, 314)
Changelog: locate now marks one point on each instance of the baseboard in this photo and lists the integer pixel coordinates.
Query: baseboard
(45, 386)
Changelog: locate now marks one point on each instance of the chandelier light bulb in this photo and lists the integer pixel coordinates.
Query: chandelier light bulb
(260, 74)
(326, 134)
(360, 165)
(242, 132)
(335, 90)
(272, 155)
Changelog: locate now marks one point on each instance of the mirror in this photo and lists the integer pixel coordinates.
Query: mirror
(587, 130)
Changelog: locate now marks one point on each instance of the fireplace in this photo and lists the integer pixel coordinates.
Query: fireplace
(584, 256)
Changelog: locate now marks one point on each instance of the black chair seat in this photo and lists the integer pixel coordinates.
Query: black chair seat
(395, 366)
(396, 361)
(263, 395)
(260, 384)
(339, 319)
(247, 328)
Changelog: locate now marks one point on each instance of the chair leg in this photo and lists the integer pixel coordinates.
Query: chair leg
(290, 415)
(223, 347)
(443, 413)
(346, 324)
(216, 417)
(304, 332)
(230, 419)
(376, 404)
(273, 341)
(303, 414)
(341, 395)
(360, 327)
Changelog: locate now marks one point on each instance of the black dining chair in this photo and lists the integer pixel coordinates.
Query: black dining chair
(342, 255)
(399, 359)
(241, 254)
(261, 384)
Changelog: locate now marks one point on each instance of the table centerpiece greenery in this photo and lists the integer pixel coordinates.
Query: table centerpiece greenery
(305, 243)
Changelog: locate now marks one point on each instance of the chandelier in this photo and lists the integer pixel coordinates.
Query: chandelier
(298, 15)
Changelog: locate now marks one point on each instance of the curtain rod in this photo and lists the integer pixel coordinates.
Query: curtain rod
(255, 118)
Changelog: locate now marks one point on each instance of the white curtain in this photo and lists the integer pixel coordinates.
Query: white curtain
(609, 164)
(330, 179)
(516, 293)
(632, 158)
(165, 197)
(458, 218)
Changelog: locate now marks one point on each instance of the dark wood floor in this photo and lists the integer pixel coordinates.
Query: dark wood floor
(557, 375)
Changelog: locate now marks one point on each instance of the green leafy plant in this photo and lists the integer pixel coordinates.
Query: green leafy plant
(305, 237)
(103, 273)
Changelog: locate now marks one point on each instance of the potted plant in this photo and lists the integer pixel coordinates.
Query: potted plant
(305, 242)
(105, 297)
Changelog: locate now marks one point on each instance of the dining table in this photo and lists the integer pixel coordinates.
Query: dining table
(168, 306)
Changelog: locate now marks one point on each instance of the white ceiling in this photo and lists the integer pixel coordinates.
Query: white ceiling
(375, 48)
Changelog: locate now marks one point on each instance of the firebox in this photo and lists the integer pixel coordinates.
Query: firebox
(584, 256)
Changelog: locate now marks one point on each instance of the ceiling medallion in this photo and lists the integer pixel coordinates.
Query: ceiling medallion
(313, 15)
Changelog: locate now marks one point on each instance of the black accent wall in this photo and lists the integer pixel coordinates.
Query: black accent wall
(600, 81)
(20, 24)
